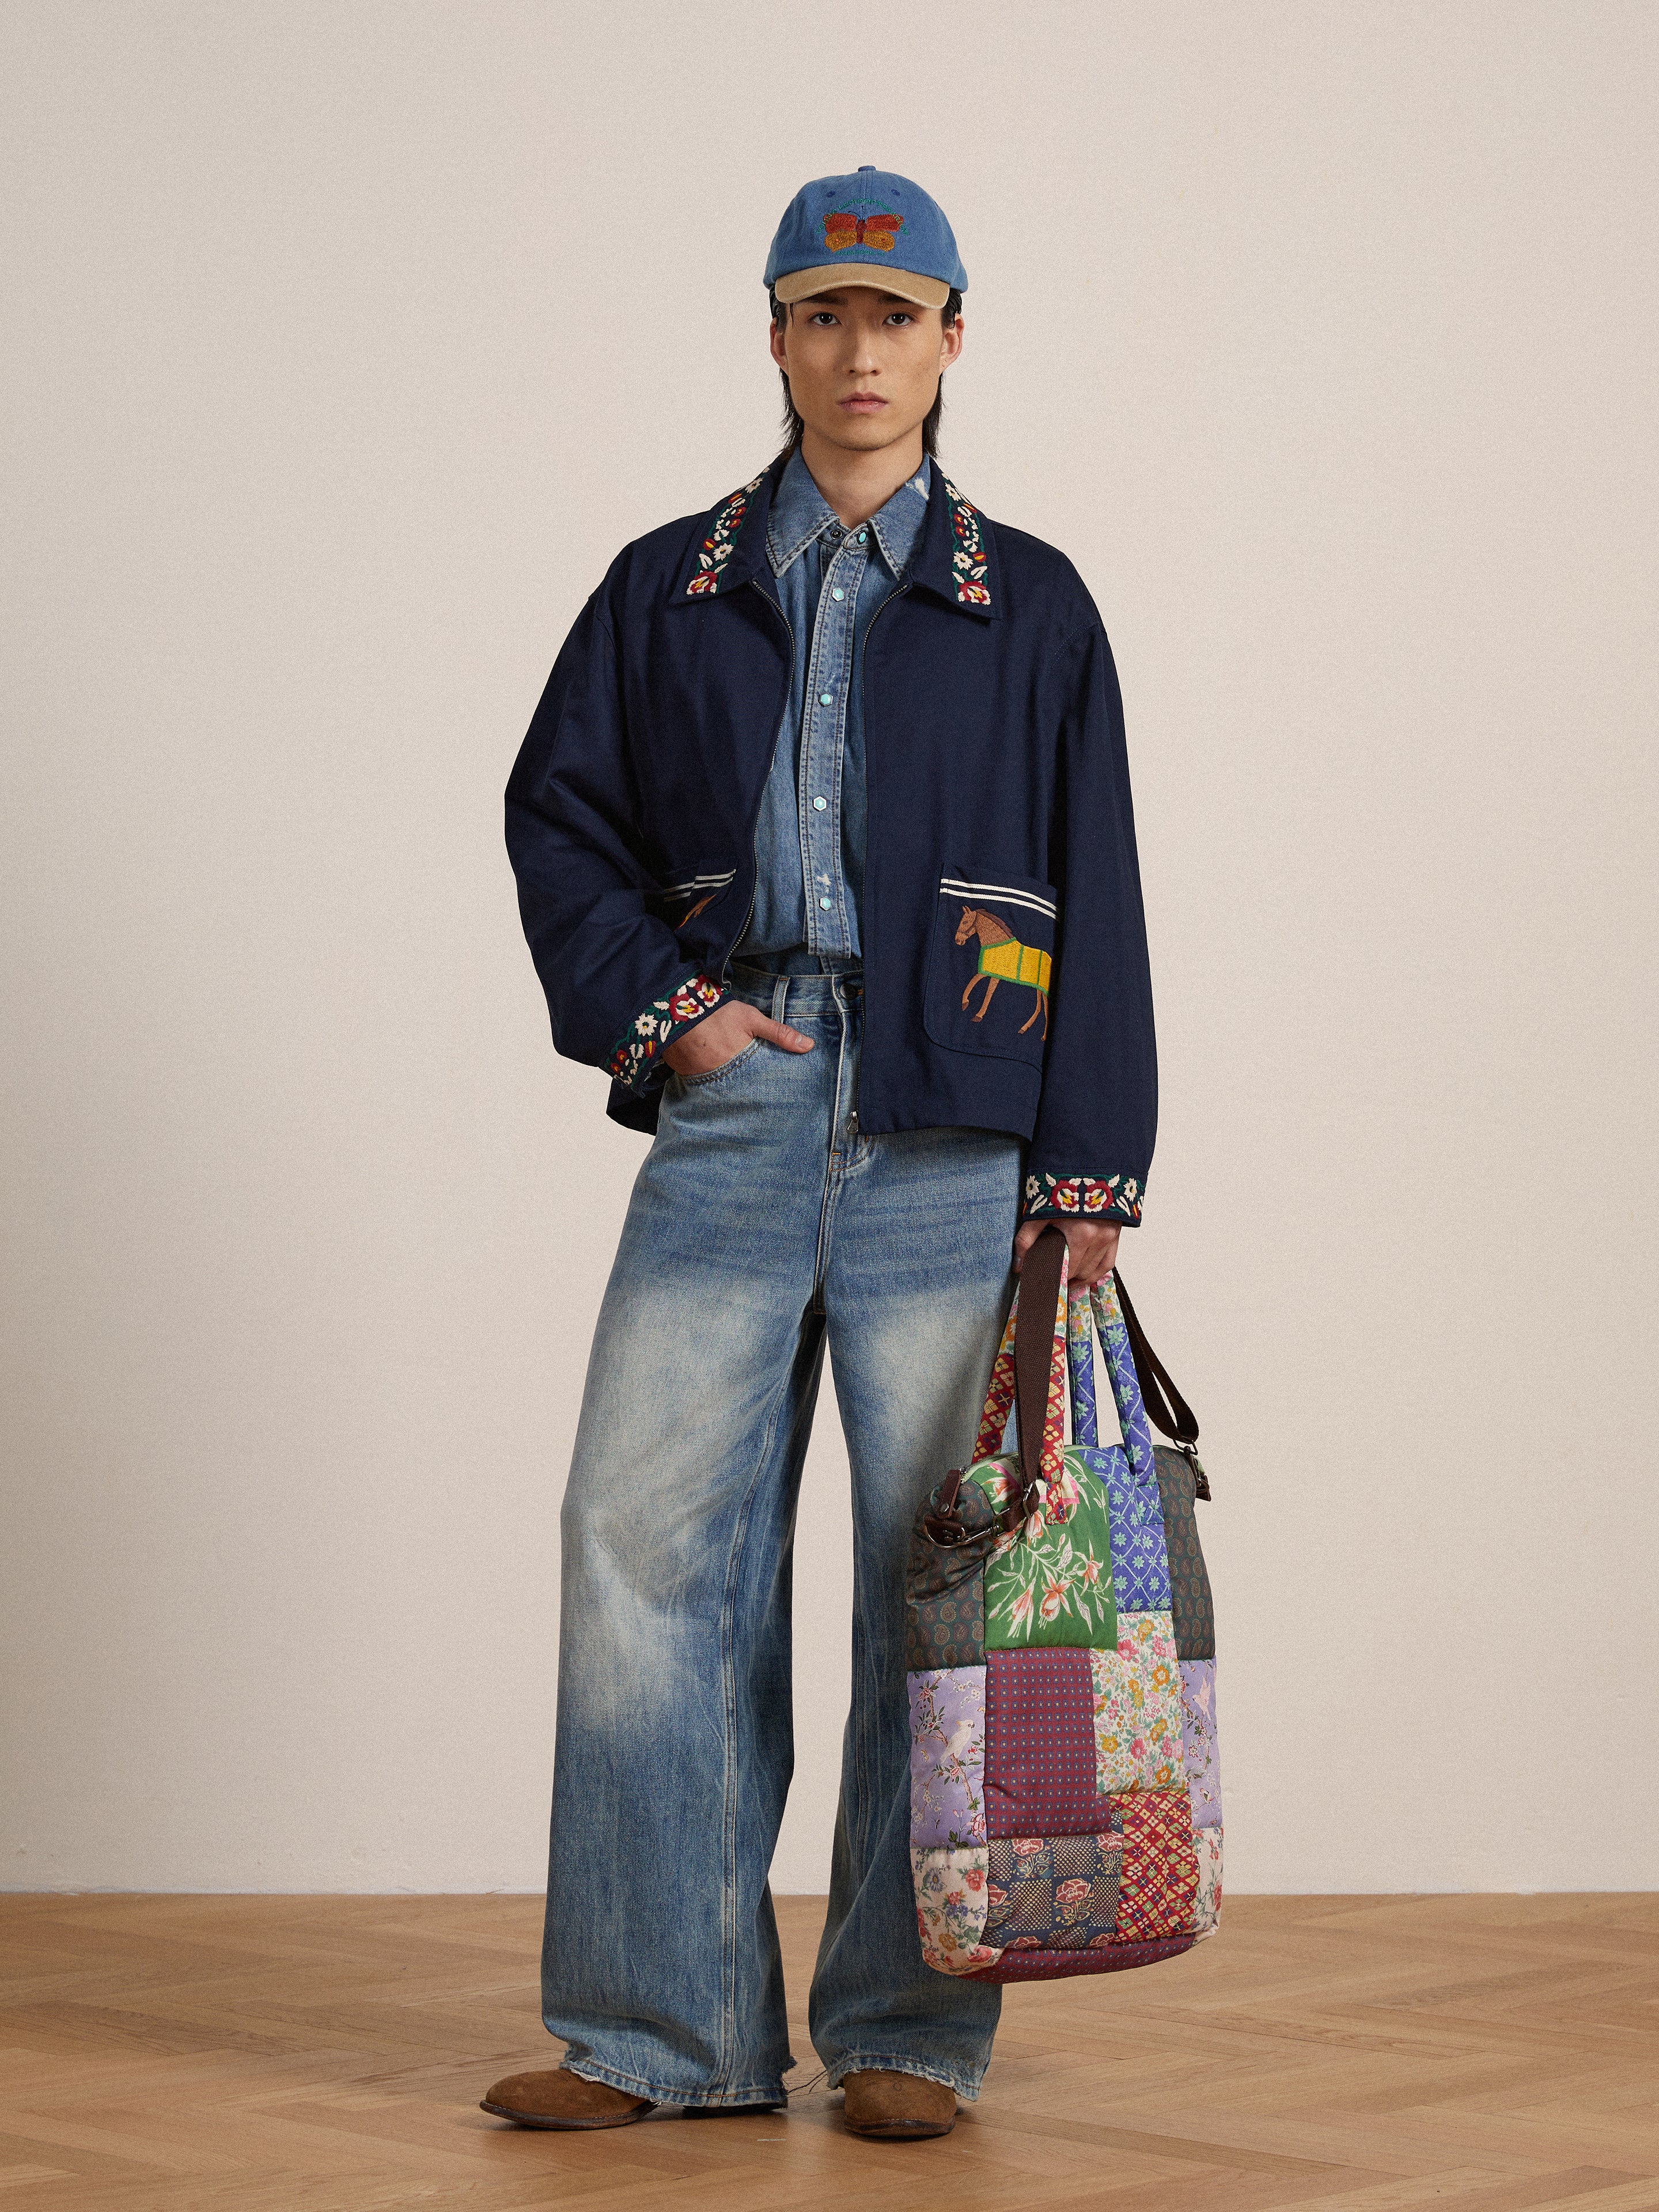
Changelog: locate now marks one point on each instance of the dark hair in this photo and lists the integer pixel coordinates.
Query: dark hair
(793, 424)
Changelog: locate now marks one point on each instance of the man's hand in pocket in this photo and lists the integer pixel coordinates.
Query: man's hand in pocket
(722, 1036)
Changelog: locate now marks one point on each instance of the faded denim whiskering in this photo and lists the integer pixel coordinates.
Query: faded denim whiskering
(764, 1227)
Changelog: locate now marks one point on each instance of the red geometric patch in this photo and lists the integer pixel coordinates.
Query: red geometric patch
(1158, 1886)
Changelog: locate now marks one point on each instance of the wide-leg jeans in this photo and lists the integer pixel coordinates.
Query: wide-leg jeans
(762, 1226)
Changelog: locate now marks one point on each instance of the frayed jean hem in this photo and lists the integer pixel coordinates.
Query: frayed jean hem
(752, 2096)
(885, 2063)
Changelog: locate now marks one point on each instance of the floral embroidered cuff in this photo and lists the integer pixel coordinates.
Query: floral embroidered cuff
(1097, 1198)
(652, 1029)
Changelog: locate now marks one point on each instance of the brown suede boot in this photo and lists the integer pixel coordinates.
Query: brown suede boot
(897, 2107)
(555, 2098)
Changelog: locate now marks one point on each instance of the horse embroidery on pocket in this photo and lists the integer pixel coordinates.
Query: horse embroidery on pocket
(1004, 959)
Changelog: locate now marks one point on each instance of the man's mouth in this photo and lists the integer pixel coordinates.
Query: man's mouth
(863, 402)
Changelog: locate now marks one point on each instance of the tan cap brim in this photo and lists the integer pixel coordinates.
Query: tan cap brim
(806, 284)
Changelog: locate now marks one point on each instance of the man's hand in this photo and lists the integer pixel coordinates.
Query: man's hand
(722, 1036)
(1090, 1246)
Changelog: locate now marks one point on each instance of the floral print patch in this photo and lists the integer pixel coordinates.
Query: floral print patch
(967, 558)
(1052, 1892)
(716, 548)
(1137, 1705)
(947, 1757)
(1206, 1905)
(1201, 1756)
(952, 1893)
(1101, 1197)
(1052, 1583)
(655, 1027)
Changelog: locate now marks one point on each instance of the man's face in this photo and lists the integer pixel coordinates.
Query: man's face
(863, 365)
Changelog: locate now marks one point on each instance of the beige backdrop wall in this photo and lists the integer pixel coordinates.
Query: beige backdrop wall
(347, 343)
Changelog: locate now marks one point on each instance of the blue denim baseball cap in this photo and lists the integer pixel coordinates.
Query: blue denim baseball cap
(872, 227)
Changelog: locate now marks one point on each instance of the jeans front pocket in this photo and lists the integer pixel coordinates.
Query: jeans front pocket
(990, 963)
(713, 1075)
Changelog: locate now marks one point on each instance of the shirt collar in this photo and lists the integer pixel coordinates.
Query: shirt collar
(955, 557)
(800, 514)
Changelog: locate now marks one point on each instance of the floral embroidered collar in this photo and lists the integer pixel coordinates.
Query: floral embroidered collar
(954, 556)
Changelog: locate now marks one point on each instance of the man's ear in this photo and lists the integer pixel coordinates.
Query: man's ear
(778, 330)
(949, 343)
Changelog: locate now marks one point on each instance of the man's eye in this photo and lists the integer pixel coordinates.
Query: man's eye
(824, 316)
(901, 318)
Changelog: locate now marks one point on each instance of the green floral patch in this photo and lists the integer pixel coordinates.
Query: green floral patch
(1051, 1582)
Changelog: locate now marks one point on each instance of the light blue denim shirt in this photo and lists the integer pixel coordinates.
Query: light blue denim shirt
(810, 838)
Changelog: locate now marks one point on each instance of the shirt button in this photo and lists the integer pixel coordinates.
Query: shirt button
(838, 593)
(819, 805)
(823, 902)
(863, 536)
(824, 699)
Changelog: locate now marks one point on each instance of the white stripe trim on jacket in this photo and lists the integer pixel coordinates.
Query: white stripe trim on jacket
(1003, 893)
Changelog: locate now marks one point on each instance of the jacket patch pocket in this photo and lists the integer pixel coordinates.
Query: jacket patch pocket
(991, 964)
(682, 901)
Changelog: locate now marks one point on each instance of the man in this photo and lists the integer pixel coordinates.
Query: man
(824, 849)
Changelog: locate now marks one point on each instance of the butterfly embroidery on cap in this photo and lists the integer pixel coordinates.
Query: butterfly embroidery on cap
(716, 549)
(843, 229)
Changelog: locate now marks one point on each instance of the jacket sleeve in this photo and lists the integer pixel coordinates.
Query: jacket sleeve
(1092, 1144)
(619, 989)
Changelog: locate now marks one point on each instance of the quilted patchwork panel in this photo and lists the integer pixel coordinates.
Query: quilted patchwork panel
(1207, 1905)
(947, 1757)
(1052, 1892)
(1040, 1760)
(952, 1893)
(1135, 1708)
(943, 1593)
(1053, 1584)
(1140, 1568)
(1189, 1579)
(1096, 1959)
(1157, 1893)
(1201, 1750)
(948, 1631)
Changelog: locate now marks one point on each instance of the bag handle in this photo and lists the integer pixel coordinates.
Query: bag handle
(1141, 1384)
(1040, 1370)
(1176, 1417)
(1028, 1373)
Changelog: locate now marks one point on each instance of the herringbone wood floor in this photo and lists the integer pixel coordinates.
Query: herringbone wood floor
(293, 2054)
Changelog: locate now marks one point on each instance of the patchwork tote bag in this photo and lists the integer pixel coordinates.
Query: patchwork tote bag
(1065, 1789)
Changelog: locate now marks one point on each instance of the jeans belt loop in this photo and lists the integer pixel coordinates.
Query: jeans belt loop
(779, 997)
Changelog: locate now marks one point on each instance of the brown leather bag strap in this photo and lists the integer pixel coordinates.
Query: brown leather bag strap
(1173, 1416)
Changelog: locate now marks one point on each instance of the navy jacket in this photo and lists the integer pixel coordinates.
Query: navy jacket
(1004, 945)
